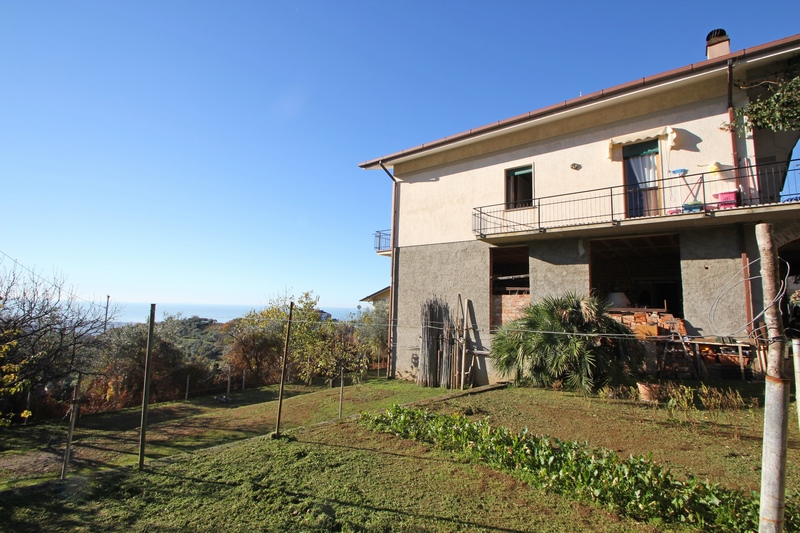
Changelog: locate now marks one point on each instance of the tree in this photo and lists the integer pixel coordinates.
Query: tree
(307, 339)
(373, 331)
(778, 109)
(47, 334)
(568, 338)
(118, 370)
(255, 345)
(340, 352)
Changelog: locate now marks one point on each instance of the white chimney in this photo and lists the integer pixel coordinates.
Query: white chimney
(717, 44)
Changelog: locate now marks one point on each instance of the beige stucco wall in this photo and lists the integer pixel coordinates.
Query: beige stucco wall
(436, 204)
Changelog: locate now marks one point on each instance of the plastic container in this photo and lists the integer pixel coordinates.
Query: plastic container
(727, 199)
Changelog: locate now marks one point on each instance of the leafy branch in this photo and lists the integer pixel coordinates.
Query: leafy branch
(777, 110)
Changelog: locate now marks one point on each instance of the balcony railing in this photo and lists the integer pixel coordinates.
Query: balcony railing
(678, 194)
(383, 241)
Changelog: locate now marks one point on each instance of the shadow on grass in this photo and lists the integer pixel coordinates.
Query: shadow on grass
(73, 504)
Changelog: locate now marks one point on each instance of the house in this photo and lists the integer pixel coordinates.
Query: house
(637, 192)
(379, 296)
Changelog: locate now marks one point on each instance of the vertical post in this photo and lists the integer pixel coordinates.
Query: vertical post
(776, 393)
(796, 357)
(187, 387)
(611, 199)
(283, 370)
(105, 324)
(73, 414)
(146, 391)
(244, 373)
(341, 389)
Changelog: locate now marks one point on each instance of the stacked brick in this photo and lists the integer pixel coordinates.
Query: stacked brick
(649, 323)
(508, 307)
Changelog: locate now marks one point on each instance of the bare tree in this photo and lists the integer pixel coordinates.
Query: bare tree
(47, 333)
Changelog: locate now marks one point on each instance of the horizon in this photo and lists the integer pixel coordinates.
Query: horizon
(138, 312)
(217, 159)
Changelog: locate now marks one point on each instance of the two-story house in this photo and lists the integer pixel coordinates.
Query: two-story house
(637, 192)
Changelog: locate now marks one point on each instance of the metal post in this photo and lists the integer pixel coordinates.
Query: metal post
(244, 372)
(146, 391)
(283, 370)
(611, 199)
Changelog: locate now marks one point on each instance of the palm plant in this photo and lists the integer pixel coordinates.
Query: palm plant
(568, 338)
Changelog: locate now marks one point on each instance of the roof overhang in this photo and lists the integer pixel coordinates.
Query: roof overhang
(666, 81)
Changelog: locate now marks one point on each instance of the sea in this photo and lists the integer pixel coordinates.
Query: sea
(133, 312)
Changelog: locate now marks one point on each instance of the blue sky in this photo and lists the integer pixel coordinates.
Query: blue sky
(206, 151)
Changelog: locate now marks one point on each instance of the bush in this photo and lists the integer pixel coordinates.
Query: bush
(570, 339)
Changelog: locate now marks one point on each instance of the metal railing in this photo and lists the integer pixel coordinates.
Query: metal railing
(678, 194)
(383, 240)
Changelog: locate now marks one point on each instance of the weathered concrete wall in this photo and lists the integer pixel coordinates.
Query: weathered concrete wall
(443, 271)
(558, 266)
(713, 289)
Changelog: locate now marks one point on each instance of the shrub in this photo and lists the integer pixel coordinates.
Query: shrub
(569, 339)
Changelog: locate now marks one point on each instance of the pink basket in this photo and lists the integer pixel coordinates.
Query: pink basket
(727, 199)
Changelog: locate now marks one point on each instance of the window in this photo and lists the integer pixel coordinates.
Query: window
(641, 178)
(519, 187)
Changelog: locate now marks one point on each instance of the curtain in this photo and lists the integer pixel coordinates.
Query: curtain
(642, 177)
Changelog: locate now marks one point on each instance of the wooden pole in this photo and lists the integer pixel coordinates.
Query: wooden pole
(283, 370)
(776, 393)
(464, 347)
(341, 389)
(187, 387)
(73, 415)
(146, 391)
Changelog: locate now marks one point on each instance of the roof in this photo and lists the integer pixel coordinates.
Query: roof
(382, 294)
(688, 71)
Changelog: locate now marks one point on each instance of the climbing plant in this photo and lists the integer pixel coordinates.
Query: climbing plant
(777, 110)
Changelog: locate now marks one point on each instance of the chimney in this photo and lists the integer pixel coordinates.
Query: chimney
(717, 44)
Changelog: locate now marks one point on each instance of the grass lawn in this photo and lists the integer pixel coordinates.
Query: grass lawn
(340, 476)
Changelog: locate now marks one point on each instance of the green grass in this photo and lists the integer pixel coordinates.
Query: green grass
(340, 476)
(331, 478)
(31, 454)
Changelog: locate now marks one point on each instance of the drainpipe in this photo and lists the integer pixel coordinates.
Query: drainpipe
(393, 277)
(748, 288)
(731, 118)
(748, 294)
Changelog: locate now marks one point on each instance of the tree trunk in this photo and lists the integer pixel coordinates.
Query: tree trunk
(776, 393)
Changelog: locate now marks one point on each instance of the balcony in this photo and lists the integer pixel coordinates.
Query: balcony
(383, 242)
(681, 198)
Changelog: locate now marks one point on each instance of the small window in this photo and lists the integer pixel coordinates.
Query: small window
(519, 187)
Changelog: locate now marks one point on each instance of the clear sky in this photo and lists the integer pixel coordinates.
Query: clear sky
(206, 151)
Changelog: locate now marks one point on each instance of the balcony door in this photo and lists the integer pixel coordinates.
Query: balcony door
(641, 179)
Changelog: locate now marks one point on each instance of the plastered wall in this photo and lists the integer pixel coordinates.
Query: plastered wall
(436, 203)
